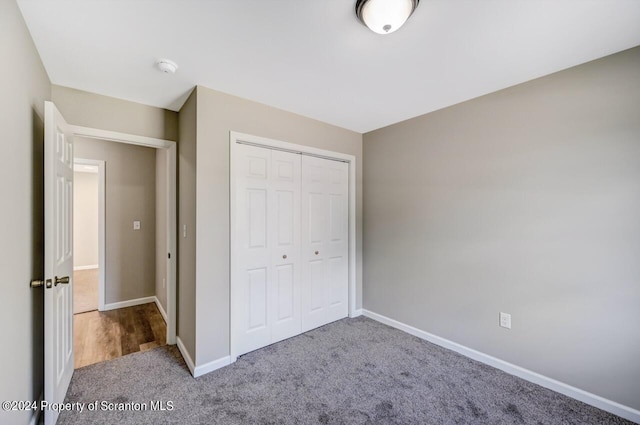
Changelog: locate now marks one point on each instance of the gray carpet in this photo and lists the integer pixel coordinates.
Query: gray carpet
(355, 371)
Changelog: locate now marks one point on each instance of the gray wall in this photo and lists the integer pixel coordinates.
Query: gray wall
(161, 226)
(525, 201)
(24, 86)
(186, 301)
(85, 218)
(130, 192)
(107, 113)
(217, 114)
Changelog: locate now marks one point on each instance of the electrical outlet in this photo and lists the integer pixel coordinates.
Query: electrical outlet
(505, 320)
(136, 225)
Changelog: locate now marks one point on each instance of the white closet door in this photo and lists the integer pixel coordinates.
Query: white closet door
(252, 256)
(266, 301)
(324, 241)
(285, 288)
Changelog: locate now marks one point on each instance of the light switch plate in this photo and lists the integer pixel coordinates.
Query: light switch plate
(136, 225)
(505, 320)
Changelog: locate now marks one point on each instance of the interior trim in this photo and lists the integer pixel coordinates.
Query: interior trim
(185, 355)
(129, 303)
(160, 308)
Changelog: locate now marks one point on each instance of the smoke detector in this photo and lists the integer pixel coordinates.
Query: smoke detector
(167, 66)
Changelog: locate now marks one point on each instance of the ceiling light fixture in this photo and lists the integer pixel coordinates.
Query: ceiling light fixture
(167, 66)
(385, 16)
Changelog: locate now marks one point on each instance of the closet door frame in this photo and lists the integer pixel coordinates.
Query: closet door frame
(236, 138)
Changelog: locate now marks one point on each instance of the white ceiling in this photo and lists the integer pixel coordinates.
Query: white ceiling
(314, 57)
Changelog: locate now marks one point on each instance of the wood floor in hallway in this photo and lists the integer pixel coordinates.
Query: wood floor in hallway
(106, 335)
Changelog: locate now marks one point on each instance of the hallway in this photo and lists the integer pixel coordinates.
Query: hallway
(100, 336)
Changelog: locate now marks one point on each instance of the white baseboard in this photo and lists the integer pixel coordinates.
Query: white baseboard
(357, 313)
(544, 381)
(161, 309)
(129, 303)
(202, 369)
(35, 418)
(211, 366)
(90, 267)
(185, 355)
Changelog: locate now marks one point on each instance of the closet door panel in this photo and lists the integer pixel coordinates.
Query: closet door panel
(314, 217)
(337, 245)
(252, 262)
(257, 294)
(324, 241)
(285, 286)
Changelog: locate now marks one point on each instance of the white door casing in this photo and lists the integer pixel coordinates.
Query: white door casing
(325, 242)
(171, 225)
(58, 298)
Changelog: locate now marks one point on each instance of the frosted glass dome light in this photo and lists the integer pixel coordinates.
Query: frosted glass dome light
(385, 16)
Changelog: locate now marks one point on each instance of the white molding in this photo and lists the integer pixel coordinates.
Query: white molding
(526, 374)
(35, 418)
(197, 371)
(236, 137)
(185, 355)
(129, 303)
(160, 308)
(356, 313)
(172, 242)
(114, 136)
(353, 263)
(211, 366)
(89, 267)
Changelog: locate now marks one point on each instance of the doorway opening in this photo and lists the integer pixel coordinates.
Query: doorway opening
(59, 332)
(88, 232)
(123, 285)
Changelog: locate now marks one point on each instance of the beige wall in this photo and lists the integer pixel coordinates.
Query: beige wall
(186, 301)
(24, 86)
(217, 114)
(525, 201)
(130, 192)
(85, 219)
(107, 113)
(161, 226)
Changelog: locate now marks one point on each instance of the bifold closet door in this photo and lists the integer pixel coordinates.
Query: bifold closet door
(325, 244)
(266, 261)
